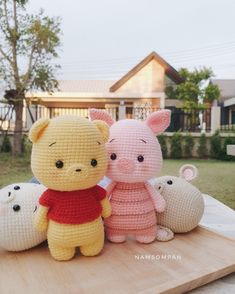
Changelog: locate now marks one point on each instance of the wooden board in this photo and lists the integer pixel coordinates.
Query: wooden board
(187, 262)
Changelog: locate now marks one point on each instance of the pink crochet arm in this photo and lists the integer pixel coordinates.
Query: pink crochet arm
(109, 188)
(158, 201)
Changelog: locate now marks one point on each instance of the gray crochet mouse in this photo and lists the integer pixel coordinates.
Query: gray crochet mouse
(184, 203)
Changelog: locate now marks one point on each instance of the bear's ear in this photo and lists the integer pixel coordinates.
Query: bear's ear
(188, 172)
(37, 129)
(101, 115)
(158, 121)
(103, 128)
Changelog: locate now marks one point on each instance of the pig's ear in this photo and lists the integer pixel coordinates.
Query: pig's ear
(99, 114)
(103, 128)
(188, 172)
(158, 121)
(37, 129)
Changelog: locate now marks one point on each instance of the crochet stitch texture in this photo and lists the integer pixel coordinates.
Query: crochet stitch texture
(18, 205)
(184, 202)
(69, 158)
(134, 158)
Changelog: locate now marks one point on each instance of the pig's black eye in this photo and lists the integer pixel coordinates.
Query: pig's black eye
(113, 156)
(140, 158)
(17, 188)
(94, 162)
(16, 207)
(59, 164)
(169, 182)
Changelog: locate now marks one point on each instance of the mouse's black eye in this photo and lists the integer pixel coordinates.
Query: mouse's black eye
(140, 158)
(113, 156)
(59, 164)
(169, 182)
(17, 188)
(94, 162)
(16, 207)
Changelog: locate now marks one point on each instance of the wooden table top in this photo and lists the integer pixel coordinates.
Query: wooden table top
(188, 261)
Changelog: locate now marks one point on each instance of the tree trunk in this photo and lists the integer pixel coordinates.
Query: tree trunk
(17, 140)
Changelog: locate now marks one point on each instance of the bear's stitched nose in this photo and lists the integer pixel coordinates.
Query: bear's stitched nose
(78, 170)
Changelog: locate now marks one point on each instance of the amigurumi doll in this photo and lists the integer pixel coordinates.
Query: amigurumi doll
(184, 202)
(134, 158)
(69, 158)
(18, 205)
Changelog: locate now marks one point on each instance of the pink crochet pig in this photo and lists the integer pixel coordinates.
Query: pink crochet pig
(134, 158)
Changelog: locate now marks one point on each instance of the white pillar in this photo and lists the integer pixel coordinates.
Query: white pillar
(215, 118)
(121, 111)
(162, 100)
(231, 150)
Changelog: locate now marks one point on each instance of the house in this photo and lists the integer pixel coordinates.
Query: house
(142, 86)
(226, 101)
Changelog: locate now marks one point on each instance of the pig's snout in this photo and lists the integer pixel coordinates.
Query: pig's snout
(125, 166)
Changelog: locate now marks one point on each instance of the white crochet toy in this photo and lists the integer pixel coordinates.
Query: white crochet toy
(184, 202)
(18, 204)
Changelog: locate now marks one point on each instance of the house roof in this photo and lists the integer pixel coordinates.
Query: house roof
(229, 102)
(88, 86)
(105, 89)
(169, 70)
(226, 86)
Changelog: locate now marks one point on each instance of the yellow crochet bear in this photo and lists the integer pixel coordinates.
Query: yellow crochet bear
(69, 158)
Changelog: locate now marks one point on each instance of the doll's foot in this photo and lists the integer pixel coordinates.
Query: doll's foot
(145, 239)
(94, 248)
(61, 253)
(146, 236)
(164, 234)
(116, 238)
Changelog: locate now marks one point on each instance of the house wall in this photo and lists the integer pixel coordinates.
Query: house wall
(98, 103)
(149, 79)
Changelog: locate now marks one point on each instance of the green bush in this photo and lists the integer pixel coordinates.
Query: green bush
(216, 143)
(176, 148)
(26, 145)
(202, 150)
(6, 144)
(188, 146)
(162, 142)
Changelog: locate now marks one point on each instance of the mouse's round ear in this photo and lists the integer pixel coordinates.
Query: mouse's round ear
(103, 128)
(188, 172)
(37, 129)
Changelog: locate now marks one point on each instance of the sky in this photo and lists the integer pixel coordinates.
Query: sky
(104, 39)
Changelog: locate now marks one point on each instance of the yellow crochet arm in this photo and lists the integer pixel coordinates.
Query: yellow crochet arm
(41, 220)
(106, 207)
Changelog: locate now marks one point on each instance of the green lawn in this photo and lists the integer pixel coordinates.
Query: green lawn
(13, 169)
(215, 177)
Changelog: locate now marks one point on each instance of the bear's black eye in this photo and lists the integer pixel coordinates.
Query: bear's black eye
(94, 162)
(140, 158)
(59, 164)
(113, 156)
(169, 182)
(17, 188)
(16, 207)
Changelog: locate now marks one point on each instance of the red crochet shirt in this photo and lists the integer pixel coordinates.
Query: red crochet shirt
(74, 207)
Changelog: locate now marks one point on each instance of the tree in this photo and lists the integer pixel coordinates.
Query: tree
(28, 45)
(191, 92)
